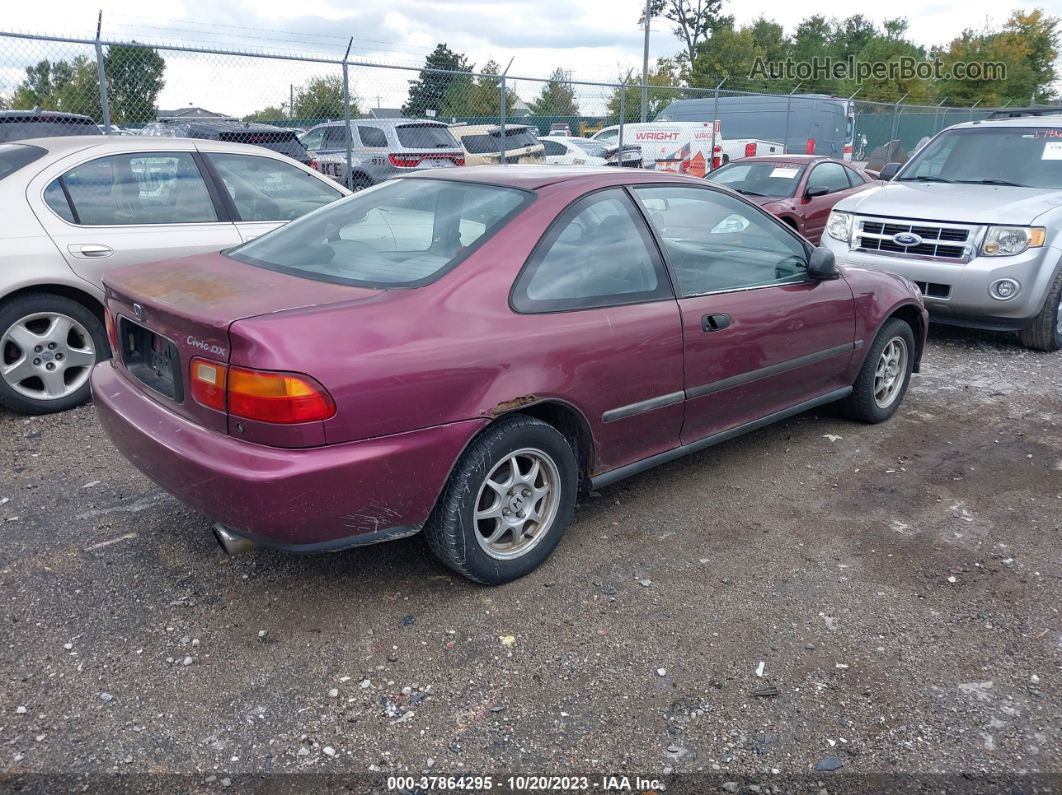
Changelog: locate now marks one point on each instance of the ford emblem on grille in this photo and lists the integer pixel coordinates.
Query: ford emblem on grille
(906, 239)
(138, 310)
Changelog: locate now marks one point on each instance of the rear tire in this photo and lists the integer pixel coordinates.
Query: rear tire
(1045, 332)
(507, 503)
(885, 375)
(70, 338)
(360, 182)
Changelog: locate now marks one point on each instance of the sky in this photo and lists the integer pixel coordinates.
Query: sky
(595, 39)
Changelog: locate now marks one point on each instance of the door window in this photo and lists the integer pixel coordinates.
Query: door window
(133, 189)
(831, 175)
(267, 189)
(553, 148)
(335, 138)
(372, 136)
(598, 253)
(314, 138)
(715, 242)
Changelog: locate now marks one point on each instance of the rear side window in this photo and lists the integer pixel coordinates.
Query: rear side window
(426, 136)
(598, 253)
(402, 233)
(267, 189)
(15, 156)
(134, 189)
(372, 136)
(553, 149)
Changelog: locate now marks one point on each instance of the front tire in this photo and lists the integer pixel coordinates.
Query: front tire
(1045, 332)
(48, 347)
(507, 503)
(885, 375)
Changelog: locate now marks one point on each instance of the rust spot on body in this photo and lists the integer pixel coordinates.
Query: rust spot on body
(511, 404)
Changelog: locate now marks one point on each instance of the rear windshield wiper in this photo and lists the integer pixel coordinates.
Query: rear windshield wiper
(922, 178)
(1005, 182)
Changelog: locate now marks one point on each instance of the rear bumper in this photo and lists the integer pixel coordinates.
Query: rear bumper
(300, 499)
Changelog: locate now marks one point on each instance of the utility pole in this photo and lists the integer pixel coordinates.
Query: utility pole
(291, 99)
(645, 61)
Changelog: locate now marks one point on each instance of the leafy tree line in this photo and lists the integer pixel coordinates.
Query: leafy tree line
(135, 77)
(715, 48)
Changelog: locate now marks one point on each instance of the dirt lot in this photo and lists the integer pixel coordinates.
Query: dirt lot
(898, 585)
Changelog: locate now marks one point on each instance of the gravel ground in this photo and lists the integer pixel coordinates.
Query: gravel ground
(896, 586)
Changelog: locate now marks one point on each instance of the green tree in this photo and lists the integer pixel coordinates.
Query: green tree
(135, 77)
(694, 20)
(664, 87)
(814, 38)
(729, 53)
(322, 98)
(484, 96)
(556, 98)
(69, 86)
(269, 115)
(443, 85)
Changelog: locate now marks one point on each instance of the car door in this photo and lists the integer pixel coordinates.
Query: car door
(263, 193)
(759, 335)
(595, 294)
(833, 179)
(123, 209)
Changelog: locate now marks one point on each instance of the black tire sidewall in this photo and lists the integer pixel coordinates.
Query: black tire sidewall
(455, 511)
(13, 310)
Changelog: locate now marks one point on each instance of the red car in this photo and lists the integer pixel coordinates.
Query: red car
(462, 352)
(799, 189)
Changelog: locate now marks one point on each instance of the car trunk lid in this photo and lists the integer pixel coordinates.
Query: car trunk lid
(169, 312)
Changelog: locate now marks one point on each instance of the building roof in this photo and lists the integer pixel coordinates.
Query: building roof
(190, 113)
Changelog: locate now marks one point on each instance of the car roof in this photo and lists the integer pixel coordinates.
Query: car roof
(532, 177)
(479, 129)
(789, 158)
(212, 126)
(1054, 120)
(44, 115)
(398, 122)
(134, 143)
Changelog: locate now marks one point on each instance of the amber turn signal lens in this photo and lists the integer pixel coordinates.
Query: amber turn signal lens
(260, 394)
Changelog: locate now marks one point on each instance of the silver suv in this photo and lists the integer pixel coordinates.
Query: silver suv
(382, 148)
(975, 220)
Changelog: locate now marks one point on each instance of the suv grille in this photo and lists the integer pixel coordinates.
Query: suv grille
(938, 242)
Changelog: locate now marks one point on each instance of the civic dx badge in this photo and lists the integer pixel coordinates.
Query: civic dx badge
(906, 239)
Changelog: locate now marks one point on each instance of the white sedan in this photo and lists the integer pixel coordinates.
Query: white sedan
(76, 206)
(573, 151)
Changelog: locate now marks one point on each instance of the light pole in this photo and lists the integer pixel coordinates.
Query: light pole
(645, 61)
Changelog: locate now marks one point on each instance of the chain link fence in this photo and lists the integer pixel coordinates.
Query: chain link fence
(129, 87)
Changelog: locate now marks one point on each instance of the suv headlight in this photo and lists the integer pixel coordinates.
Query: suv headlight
(1006, 241)
(839, 225)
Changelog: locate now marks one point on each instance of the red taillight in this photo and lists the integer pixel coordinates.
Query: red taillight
(407, 161)
(112, 330)
(811, 146)
(459, 161)
(717, 159)
(314, 164)
(750, 150)
(260, 395)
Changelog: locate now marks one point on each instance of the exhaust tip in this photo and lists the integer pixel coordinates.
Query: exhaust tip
(232, 543)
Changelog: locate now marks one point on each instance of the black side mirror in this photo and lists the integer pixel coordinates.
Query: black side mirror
(822, 265)
(888, 171)
(816, 190)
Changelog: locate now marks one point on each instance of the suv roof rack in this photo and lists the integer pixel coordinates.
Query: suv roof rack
(1015, 113)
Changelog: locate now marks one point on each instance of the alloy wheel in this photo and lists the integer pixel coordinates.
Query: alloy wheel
(517, 504)
(890, 372)
(46, 356)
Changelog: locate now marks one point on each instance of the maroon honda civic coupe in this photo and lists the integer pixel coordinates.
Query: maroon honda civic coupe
(462, 352)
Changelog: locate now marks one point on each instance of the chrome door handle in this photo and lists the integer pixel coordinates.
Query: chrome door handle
(92, 250)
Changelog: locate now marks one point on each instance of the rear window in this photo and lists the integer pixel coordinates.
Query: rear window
(426, 136)
(285, 142)
(491, 142)
(14, 128)
(402, 233)
(15, 156)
